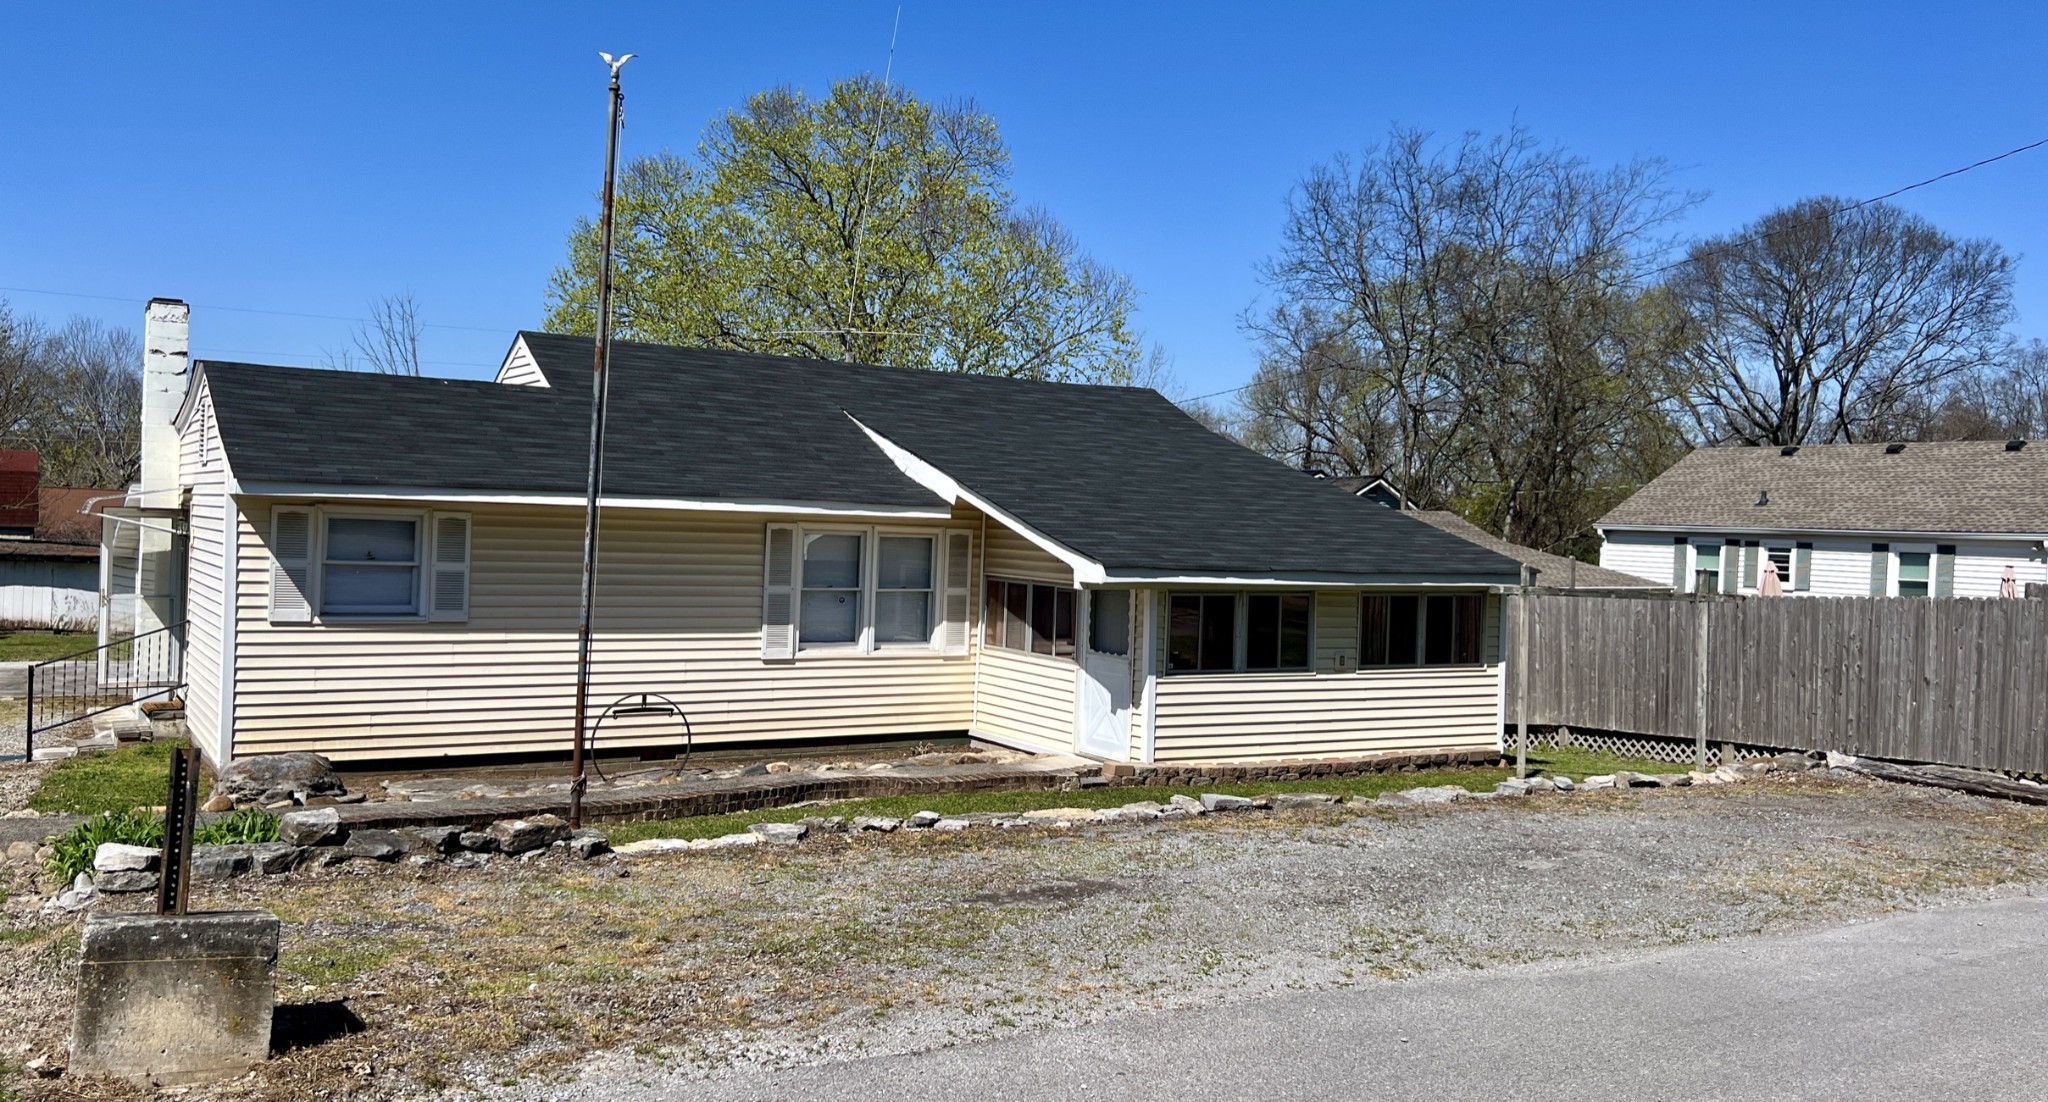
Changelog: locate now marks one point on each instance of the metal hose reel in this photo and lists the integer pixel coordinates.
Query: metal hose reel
(639, 704)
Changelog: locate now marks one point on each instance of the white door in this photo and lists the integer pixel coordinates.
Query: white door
(1104, 725)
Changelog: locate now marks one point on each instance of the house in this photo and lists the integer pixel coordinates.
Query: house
(1841, 520)
(793, 551)
(1373, 488)
(49, 548)
(1551, 571)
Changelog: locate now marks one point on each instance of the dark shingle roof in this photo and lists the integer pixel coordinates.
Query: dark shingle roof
(1119, 474)
(1955, 486)
(1555, 570)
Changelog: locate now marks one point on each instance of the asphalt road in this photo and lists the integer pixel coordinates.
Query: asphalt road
(1945, 1004)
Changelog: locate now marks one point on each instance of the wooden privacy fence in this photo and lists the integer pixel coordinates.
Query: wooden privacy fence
(1953, 680)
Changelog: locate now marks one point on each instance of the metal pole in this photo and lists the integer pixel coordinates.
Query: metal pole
(1699, 680)
(1522, 678)
(28, 719)
(598, 394)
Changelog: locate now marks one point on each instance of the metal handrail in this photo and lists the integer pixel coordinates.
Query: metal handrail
(166, 642)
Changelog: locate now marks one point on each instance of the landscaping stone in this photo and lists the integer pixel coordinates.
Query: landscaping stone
(327, 857)
(1672, 780)
(514, 836)
(315, 827)
(880, 823)
(271, 858)
(782, 834)
(1384, 799)
(120, 857)
(1187, 804)
(1511, 787)
(174, 999)
(1540, 784)
(77, 897)
(586, 844)
(825, 824)
(1731, 774)
(268, 778)
(1294, 801)
(1627, 779)
(1563, 784)
(432, 839)
(922, 820)
(476, 841)
(1594, 784)
(727, 841)
(951, 824)
(647, 846)
(1067, 814)
(124, 882)
(1438, 794)
(218, 802)
(1216, 801)
(758, 769)
(377, 845)
(777, 767)
(219, 862)
(468, 859)
(1698, 777)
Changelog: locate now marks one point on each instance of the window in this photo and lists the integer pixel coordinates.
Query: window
(1913, 576)
(1027, 616)
(1408, 629)
(829, 611)
(1228, 632)
(1109, 621)
(1781, 557)
(1706, 568)
(371, 567)
(1276, 631)
(903, 590)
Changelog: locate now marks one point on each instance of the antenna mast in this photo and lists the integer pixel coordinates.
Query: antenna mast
(599, 392)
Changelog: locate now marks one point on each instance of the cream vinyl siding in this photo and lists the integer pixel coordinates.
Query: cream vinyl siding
(1645, 555)
(1334, 711)
(1027, 700)
(1021, 699)
(202, 471)
(678, 613)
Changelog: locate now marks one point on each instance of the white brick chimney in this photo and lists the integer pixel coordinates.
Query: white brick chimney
(166, 368)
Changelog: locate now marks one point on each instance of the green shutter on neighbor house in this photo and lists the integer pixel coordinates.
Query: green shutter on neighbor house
(1880, 566)
(1681, 561)
(1731, 567)
(1802, 567)
(1752, 552)
(1945, 570)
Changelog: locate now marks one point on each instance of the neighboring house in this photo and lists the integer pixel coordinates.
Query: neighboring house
(1840, 520)
(385, 567)
(1373, 488)
(49, 548)
(1552, 571)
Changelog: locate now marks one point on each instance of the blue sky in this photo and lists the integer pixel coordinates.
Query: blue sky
(308, 158)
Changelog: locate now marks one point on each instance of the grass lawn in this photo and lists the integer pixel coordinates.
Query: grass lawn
(35, 646)
(1574, 763)
(122, 779)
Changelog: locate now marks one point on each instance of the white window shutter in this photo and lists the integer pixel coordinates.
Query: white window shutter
(778, 593)
(448, 584)
(291, 566)
(957, 609)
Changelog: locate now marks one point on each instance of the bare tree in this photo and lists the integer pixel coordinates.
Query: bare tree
(89, 430)
(1474, 320)
(387, 342)
(1821, 323)
(24, 376)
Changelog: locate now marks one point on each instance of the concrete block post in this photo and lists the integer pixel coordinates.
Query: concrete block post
(175, 999)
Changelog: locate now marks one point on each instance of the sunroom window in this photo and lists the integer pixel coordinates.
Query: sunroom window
(1411, 629)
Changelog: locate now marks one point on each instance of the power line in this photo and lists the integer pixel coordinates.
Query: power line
(1738, 243)
(254, 310)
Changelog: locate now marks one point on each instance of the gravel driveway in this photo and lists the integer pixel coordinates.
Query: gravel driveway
(694, 966)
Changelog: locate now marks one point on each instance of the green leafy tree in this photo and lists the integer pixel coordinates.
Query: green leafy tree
(865, 226)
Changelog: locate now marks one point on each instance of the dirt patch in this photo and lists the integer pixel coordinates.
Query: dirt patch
(1056, 891)
(552, 979)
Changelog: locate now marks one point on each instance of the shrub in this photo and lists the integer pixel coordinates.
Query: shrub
(73, 850)
(238, 827)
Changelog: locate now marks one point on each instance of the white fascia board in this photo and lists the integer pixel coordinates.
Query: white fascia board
(1852, 533)
(492, 497)
(1316, 580)
(1086, 570)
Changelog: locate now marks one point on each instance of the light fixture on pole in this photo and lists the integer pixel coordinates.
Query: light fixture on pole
(599, 392)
